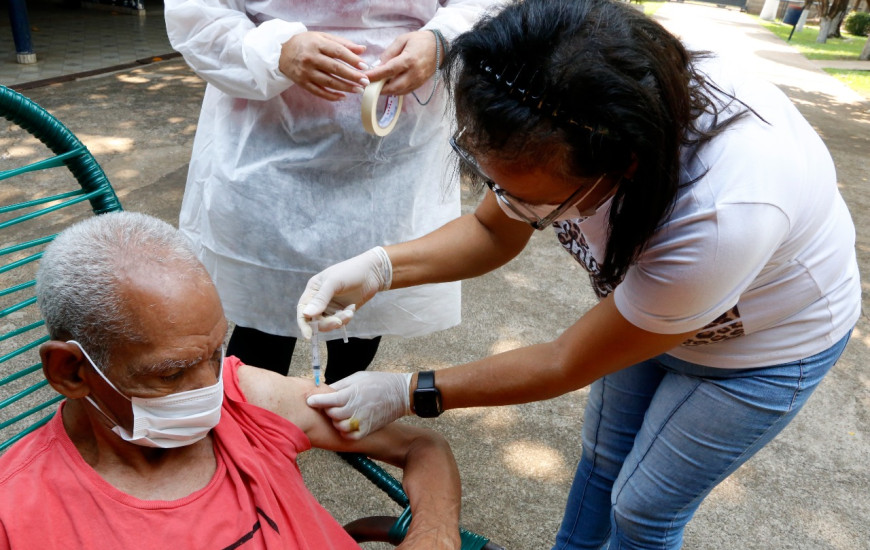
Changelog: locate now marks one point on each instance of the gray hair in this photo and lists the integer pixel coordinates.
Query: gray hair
(78, 285)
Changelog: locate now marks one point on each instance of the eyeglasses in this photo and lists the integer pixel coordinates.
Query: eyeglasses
(524, 211)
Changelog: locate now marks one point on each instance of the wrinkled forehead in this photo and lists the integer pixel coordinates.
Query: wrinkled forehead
(166, 300)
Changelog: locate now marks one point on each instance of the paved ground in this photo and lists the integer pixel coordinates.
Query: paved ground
(848, 65)
(71, 41)
(807, 490)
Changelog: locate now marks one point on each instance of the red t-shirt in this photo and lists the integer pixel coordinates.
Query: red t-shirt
(51, 498)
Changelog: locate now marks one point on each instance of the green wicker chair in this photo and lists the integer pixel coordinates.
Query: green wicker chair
(48, 195)
(41, 203)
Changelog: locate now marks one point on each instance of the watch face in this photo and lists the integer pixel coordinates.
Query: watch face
(427, 402)
(427, 398)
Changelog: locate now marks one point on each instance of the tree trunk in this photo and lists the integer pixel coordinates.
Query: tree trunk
(824, 25)
(830, 15)
(865, 53)
(836, 21)
(768, 11)
(802, 21)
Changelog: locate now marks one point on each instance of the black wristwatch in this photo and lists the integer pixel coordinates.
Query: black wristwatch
(427, 398)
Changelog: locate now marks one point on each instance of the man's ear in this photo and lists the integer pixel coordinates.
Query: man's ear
(62, 364)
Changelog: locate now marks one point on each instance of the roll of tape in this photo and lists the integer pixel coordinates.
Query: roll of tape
(379, 125)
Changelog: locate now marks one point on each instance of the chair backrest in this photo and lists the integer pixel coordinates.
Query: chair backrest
(48, 180)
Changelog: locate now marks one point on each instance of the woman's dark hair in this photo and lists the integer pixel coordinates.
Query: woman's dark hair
(592, 86)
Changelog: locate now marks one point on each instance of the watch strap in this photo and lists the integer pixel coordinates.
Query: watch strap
(427, 398)
(425, 380)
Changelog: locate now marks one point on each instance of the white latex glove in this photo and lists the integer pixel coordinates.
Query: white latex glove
(337, 291)
(365, 402)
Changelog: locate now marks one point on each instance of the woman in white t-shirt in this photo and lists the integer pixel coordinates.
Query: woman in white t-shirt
(705, 209)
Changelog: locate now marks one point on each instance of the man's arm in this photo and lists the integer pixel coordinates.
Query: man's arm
(430, 476)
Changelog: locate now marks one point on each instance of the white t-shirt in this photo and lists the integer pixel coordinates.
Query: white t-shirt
(760, 251)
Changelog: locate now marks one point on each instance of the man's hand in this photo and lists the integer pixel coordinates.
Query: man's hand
(324, 64)
(365, 402)
(407, 63)
(335, 293)
(438, 537)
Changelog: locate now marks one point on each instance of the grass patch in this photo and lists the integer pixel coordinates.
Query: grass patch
(649, 8)
(857, 80)
(848, 47)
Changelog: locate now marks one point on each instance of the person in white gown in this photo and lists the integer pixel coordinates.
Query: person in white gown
(283, 178)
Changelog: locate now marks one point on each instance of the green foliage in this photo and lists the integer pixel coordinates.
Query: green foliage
(858, 23)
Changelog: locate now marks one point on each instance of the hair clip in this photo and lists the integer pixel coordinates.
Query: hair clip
(510, 83)
(526, 93)
(536, 100)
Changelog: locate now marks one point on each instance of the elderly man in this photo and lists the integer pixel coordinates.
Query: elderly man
(162, 442)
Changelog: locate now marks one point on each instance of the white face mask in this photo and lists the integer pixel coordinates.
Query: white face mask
(171, 421)
(542, 210)
(574, 212)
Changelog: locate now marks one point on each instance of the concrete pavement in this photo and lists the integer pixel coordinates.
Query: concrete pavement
(806, 490)
(845, 65)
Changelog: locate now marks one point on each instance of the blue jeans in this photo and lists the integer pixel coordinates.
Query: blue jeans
(658, 436)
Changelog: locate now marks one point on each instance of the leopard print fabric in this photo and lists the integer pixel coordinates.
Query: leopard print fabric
(573, 240)
(726, 326)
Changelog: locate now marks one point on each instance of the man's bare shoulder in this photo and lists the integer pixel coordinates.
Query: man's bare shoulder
(283, 395)
(286, 396)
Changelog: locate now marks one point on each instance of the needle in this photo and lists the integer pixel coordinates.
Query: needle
(315, 351)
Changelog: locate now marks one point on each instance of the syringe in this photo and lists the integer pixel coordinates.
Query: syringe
(315, 351)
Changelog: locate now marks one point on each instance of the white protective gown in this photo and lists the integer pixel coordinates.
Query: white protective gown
(283, 184)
